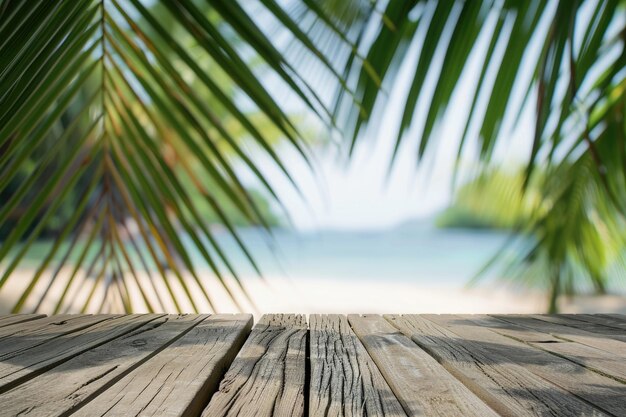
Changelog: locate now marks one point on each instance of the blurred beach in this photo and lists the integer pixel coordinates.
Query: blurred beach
(412, 268)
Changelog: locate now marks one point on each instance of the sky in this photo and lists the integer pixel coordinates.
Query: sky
(357, 194)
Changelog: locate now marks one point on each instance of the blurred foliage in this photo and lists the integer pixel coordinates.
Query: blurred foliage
(28, 168)
(494, 200)
(565, 60)
(129, 110)
(562, 226)
(575, 239)
(126, 129)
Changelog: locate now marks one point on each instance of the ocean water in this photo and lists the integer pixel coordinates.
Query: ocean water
(414, 252)
(417, 252)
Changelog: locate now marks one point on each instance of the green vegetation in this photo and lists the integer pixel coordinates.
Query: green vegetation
(494, 200)
(141, 113)
(564, 226)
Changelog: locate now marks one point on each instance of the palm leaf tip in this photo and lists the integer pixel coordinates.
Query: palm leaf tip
(94, 96)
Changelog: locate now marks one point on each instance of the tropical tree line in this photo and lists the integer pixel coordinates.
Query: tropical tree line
(117, 114)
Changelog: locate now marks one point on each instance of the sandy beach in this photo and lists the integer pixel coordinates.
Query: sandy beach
(307, 295)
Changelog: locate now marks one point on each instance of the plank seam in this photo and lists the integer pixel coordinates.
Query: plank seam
(580, 324)
(477, 389)
(25, 320)
(221, 369)
(58, 336)
(307, 367)
(592, 405)
(382, 374)
(583, 321)
(114, 380)
(597, 371)
(19, 381)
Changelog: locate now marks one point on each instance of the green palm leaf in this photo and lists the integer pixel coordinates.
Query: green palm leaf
(93, 95)
(574, 51)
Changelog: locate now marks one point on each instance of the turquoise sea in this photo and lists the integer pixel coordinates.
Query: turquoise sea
(416, 252)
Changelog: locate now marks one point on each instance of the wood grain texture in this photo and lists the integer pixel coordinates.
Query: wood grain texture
(64, 389)
(439, 365)
(573, 330)
(605, 326)
(509, 388)
(601, 319)
(49, 327)
(344, 379)
(422, 385)
(592, 351)
(179, 380)
(9, 319)
(26, 336)
(267, 378)
(24, 355)
(604, 393)
(620, 317)
(617, 320)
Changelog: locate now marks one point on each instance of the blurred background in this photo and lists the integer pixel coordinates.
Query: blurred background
(313, 156)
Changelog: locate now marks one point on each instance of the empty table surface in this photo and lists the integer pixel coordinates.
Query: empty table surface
(323, 365)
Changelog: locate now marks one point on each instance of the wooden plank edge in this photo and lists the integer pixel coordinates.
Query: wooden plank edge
(211, 385)
(18, 381)
(13, 319)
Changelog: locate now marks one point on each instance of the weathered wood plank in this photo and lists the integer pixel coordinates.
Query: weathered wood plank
(604, 393)
(422, 385)
(620, 317)
(604, 319)
(601, 330)
(10, 319)
(344, 379)
(180, 379)
(268, 375)
(25, 336)
(64, 389)
(21, 365)
(571, 330)
(52, 325)
(508, 388)
(592, 351)
(595, 323)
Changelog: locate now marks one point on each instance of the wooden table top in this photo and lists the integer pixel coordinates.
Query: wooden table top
(328, 365)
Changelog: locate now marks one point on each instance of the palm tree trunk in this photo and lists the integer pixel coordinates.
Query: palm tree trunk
(554, 291)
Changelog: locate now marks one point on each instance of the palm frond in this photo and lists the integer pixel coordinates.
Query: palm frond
(94, 94)
(574, 53)
(118, 110)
